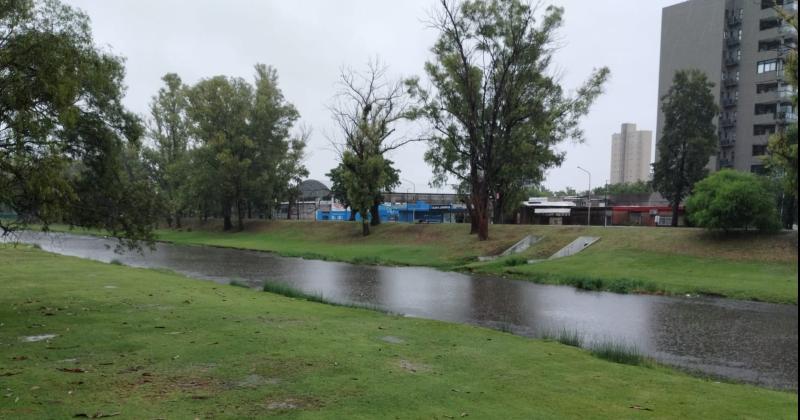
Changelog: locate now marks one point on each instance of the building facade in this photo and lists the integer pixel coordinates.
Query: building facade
(630, 155)
(741, 46)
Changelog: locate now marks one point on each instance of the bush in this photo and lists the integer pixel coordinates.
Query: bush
(729, 200)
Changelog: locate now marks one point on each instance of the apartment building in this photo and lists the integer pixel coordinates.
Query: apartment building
(741, 45)
(630, 155)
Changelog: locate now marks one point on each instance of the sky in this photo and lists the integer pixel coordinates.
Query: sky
(310, 41)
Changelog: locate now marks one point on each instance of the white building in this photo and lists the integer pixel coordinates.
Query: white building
(630, 155)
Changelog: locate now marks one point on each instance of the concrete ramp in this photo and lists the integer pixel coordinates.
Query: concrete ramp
(518, 247)
(575, 247)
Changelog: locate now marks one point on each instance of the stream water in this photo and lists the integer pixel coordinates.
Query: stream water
(745, 341)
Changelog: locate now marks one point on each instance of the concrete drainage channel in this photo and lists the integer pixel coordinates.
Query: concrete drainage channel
(518, 247)
(574, 247)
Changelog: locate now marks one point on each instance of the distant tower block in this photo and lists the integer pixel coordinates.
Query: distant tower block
(630, 155)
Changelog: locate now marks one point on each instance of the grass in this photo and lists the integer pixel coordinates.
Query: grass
(618, 352)
(153, 344)
(567, 337)
(626, 259)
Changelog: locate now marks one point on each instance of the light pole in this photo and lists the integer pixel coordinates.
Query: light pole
(589, 198)
(413, 210)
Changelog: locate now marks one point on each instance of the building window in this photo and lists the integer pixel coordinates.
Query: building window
(760, 130)
(758, 169)
(759, 149)
(767, 66)
(739, 55)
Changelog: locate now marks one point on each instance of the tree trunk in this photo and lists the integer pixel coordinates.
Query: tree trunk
(675, 213)
(289, 210)
(226, 216)
(376, 214)
(178, 220)
(364, 224)
(498, 210)
(352, 215)
(481, 212)
(240, 214)
(249, 211)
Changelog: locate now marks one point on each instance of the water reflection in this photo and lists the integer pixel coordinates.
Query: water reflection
(747, 341)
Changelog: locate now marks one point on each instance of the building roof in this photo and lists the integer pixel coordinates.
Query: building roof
(311, 189)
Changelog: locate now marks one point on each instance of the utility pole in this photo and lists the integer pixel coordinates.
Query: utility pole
(588, 199)
(413, 210)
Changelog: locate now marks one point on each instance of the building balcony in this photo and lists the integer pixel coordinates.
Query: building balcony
(731, 61)
(729, 102)
(725, 163)
(730, 82)
(732, 42)
(727, 122)
(761, 119)
(784, 117)
(727, 142)
(770, 76)
(734, 21)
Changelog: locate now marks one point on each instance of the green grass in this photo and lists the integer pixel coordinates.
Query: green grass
(626, 259)
(567, 337)
(618, 353)
(637, 271)
(153, 344)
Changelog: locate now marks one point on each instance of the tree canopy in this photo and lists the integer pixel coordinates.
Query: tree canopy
(495, 110)
(64, 133)
(689, 137)
(729, 200)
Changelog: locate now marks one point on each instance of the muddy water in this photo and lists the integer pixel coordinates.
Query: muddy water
(746, 341)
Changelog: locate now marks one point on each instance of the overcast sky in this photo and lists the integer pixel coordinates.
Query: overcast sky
(309, 41)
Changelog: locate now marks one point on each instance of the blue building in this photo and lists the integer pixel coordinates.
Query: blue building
(419, 212)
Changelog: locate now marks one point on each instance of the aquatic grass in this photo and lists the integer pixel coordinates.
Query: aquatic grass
(569, 337)
(618, 352)
(115, 261)
(367, 260)
(291, 292)
(515, 261)
(36, 246)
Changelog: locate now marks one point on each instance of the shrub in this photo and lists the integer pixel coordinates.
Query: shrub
(729, 200)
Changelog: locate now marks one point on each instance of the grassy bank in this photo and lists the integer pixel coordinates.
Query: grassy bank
(626, 259)
(148, 344)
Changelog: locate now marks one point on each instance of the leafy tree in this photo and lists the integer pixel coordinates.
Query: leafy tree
(168, 156)
(496, 111)
(782, 157)
(367, 108)
(339, 189)
(730, 200)
(64, 132)
(689, 137)
(245, 143)
(638, 187)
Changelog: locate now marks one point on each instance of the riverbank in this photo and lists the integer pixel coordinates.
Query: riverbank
(668, 261)
(144, 343)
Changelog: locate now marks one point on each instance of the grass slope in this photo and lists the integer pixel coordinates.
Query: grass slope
(148, 344)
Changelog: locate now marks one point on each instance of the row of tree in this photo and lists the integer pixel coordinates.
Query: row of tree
(223, 147)
(70, 152)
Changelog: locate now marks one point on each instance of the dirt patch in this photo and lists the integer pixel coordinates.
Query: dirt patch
(292, 403)
(392, 339)
(35, 338)
(254, 381)
(412, 367)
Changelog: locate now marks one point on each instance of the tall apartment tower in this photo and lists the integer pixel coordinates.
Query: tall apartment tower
(741, 46)
(630, 155)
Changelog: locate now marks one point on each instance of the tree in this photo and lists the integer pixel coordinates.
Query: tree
(245, 142)
(168, 154)
(689, 137)
(729, 200)
(495, 111)
(782, 157)
(339, 189)
(64, 132)
(638, 187)
(367, 108)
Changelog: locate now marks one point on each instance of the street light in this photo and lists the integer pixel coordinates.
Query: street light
(414, 210)
(589, 198)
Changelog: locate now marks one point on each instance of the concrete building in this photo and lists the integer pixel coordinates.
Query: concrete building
(630, 155)
(741, 46)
